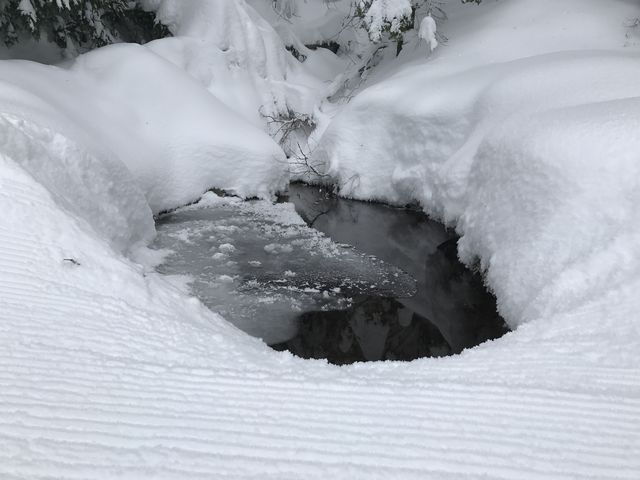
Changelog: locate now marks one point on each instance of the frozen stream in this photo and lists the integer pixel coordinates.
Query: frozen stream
(344, 296)
(260, 266)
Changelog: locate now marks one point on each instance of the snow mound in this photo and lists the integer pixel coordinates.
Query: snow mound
(100, 191)
(176, 139)
(469, 142)
(554, 212)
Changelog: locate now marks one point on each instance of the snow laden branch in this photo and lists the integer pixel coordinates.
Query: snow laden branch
(391, 19)
(386, 16)
(77, 25)
(289, 131)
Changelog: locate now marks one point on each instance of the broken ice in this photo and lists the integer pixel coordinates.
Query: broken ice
(260, 266)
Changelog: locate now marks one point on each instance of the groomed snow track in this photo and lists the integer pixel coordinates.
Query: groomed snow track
(108, 371)
(105, 373)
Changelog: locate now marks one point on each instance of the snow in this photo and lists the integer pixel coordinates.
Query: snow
(574, 195)
(100, 191)
(108, 373)
(175, 138)
(379, 14)
(308, 22)
(237, 56)
(427, 32)
(505, 151)
(522, 132)
(26, 8)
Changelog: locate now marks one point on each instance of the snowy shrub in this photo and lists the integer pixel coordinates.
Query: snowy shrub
(392, 18)
(427, 31)
(77, 25)
(286, 128)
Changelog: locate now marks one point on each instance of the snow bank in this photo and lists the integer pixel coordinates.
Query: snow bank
(553, 207)
(175, 138)
(464, 135)
(99, 191)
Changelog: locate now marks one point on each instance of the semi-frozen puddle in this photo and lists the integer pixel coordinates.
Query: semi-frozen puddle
(385, 285)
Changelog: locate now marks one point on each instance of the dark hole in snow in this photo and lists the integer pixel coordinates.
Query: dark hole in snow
(329, 45)
(385, 285)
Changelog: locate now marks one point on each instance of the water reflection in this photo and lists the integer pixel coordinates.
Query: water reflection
(450, 312)
(372, 329)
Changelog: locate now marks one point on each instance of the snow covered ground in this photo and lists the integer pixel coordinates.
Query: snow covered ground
(108, 372)
(522, 132)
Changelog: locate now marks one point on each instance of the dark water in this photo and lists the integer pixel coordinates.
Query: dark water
(354, 281)
(451, 310)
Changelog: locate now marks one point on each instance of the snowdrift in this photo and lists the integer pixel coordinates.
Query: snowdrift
(527, 151)
(99, 192)
(131, 105)
(552, 207)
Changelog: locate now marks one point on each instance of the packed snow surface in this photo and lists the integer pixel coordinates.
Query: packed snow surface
(522, 132)
(108, 372)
